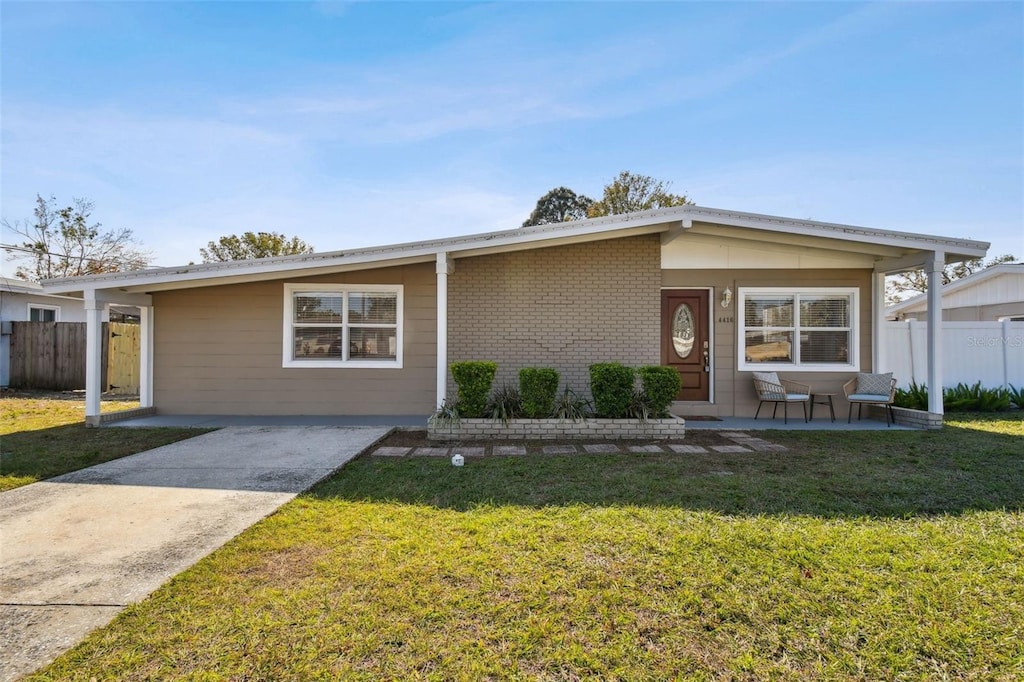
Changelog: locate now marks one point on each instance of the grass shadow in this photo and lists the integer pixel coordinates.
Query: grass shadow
(825, 474)
(35, 455)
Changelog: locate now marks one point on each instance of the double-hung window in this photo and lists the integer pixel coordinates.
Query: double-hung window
(342, 325)
(798, 328)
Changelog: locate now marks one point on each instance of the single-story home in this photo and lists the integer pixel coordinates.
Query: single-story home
(995, 294)
(715, 293)
(22, 301)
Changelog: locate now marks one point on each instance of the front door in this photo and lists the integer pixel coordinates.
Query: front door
(685, 342)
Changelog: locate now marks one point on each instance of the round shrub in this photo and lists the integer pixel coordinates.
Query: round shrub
(661, 386)
(473, 379)
(538, 387)
(611, 384)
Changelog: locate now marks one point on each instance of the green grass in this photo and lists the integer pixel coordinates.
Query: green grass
(42, 438)
(855, 555)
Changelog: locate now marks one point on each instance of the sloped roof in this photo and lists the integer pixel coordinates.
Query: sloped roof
(980, 279)
(879, 242)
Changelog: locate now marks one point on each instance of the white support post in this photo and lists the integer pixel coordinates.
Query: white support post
(444, 268)
(934, 268)
(93, 357)
(146, 356)
(879, 337)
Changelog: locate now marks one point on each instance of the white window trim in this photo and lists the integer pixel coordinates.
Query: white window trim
(741, 329)
(43, 306)
(290, 289)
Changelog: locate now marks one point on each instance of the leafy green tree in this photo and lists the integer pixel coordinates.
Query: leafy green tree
(630, 192)
(903, 286)
(558, 206)
(253, 245)
(62, 242)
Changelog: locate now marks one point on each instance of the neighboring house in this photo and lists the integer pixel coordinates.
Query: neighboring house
(714, 293)
(994, 294)
(22, 301)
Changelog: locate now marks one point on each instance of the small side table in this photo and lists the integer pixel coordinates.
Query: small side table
(823, 399)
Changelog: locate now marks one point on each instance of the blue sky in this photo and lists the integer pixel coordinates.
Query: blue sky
(353, 124)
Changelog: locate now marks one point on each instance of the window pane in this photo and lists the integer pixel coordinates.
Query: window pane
(768, 311)
(768, 346)
(313, 307)
(825, 347)
(372, 344)
(373, 308)
(42, 315)
(824, 311)
(683, 330)
(317, 343)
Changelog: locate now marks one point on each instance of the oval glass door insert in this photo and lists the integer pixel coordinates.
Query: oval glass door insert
(683, 330)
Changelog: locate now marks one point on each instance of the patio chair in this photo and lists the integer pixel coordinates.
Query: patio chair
(771, 389)
(871, 389)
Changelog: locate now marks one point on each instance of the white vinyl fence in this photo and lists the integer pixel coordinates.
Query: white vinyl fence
(989, 352)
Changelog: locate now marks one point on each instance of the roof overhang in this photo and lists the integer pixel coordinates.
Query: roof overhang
(888, 248)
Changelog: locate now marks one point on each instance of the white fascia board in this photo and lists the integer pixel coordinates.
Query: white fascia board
(220, 273)
(658, 220)
(872, 235)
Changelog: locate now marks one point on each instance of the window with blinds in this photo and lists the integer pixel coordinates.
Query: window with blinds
(339, 325)
(812, 329)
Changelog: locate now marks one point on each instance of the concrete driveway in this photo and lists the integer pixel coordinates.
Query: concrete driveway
(76, 549)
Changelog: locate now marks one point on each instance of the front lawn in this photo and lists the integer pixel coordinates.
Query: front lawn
(43, 437)
(854, 555)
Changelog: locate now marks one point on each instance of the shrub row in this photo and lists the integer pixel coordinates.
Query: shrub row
(612, 385)
(962, 398)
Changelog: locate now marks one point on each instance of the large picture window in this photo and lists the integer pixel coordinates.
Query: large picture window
(797, 328)
(342, 325)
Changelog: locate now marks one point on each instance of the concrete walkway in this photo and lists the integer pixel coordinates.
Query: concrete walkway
(76, 549)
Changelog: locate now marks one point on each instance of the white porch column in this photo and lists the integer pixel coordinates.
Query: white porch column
(145, 356)
(93, 357)
(444, 268)
(934, 268)
(879, 338)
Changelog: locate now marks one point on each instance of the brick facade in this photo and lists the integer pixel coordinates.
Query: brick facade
(564, 307)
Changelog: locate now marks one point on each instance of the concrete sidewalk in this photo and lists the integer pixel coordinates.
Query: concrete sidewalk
(76, 549)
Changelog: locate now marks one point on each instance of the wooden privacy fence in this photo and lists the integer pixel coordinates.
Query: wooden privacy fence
(989, 352)
(51, 356)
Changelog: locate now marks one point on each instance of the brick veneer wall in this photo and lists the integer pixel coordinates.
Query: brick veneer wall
(564, 307)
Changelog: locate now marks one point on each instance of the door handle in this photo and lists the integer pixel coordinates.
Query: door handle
(707, 358)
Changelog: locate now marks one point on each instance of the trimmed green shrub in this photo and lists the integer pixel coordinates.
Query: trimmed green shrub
(661, 386)
(538, 387)
(473, 379)
(611, 384)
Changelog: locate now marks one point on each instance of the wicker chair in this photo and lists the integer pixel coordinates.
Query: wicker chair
(871, 389)
(771, 389)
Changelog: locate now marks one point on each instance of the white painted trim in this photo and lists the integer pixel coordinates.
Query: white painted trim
(291, 288)
(879, 362)
(934, 269)
(42, 306)
(443, 269)
(146, 337)
(854, 347)
(94, 311)
(658, 220)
